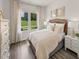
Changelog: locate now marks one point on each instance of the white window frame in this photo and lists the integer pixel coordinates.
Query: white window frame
(29, 21)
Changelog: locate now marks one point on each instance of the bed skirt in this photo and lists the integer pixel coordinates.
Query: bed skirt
(60, 46)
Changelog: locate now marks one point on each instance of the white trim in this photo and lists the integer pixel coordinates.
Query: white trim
(29, 20)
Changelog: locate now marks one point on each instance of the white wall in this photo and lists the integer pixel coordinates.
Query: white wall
(37, 9)
(5, 5)
(72, 8)
(0, 3)
(28, 7)
(6, 8)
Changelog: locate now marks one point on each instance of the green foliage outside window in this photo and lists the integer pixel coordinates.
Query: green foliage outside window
(24, 21)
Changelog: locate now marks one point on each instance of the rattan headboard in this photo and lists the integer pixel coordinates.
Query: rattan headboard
(61, 21)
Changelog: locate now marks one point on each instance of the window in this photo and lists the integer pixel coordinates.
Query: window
(24, 22)
(32, 19)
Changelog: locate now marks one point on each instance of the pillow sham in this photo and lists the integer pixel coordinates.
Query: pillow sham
(59, 28)
(51, 26)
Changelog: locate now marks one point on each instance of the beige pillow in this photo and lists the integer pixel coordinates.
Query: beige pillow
(59, 28)
(51, 26)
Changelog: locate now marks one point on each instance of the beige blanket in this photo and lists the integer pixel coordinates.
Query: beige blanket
(44, 42)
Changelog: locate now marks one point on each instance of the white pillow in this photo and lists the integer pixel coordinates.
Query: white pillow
(51, 26)
(59, 28)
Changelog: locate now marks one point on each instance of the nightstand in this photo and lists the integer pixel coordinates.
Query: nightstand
(72, 44)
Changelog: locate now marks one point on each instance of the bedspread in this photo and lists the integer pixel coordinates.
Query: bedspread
(44, 42)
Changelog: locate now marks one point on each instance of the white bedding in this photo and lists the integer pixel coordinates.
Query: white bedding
(45, 42)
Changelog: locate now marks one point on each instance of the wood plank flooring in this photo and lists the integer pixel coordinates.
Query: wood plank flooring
(22, 51)
(62, 54)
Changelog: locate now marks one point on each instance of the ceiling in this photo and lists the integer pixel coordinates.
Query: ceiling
(37, 2)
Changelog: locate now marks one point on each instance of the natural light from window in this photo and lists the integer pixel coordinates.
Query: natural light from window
(24, 21)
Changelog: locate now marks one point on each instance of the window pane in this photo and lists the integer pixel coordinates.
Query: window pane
(24, 22)
(33, 20)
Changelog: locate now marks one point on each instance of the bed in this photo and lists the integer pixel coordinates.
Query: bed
(44, 49)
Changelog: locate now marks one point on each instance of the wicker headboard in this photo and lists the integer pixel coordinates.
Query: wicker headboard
(61, 21)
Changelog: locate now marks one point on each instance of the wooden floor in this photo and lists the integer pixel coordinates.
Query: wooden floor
(22, 51)
(62, 54)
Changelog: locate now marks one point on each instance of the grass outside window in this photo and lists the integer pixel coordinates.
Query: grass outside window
(24, 21)
(24, 25)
